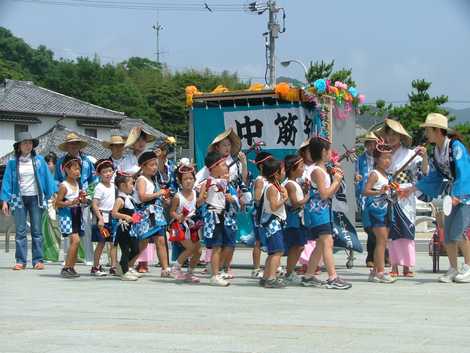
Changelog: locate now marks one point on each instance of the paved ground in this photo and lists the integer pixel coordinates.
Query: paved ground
(41, 312)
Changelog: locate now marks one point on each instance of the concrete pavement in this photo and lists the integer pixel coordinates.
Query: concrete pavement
(41, 312)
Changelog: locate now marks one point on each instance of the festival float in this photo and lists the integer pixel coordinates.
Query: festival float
(281, 118)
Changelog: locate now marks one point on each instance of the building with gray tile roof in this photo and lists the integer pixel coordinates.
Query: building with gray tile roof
(49, 116)
(24, 98)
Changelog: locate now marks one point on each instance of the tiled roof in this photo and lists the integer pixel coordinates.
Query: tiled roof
(128, 123)
(26, 97)
(51, 139)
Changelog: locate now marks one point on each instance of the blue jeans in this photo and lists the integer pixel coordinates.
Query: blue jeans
(31, 207)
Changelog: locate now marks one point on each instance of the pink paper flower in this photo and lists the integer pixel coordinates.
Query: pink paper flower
(341, 85)
(334, 156)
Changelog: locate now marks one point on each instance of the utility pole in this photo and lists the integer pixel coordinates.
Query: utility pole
(158, 27)
(274, 28)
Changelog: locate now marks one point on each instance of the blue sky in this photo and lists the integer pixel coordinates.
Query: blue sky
(386, 43)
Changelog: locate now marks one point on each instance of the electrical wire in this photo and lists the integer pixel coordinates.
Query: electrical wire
(145, 6)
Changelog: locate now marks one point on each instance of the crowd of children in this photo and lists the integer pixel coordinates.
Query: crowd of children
(130, 210)
(142, 199)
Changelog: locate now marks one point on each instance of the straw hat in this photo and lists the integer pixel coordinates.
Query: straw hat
(115, 140)
(72, 137)
(135, 133)
(370, 136)
(398, 128)
(234, 139)
(304, 144)
(166, 143)
(25, 136)
(436, 120)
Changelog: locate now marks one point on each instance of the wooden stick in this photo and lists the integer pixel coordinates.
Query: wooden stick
(407, 163)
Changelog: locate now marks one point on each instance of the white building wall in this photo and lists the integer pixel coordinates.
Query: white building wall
(7, 131)
(7, 137)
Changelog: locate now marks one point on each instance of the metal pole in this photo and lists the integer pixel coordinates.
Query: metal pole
(272, 43)
(158, 27)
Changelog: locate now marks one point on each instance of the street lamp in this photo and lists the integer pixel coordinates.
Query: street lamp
(288, 62)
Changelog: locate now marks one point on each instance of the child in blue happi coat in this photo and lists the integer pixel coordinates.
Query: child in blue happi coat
(185, 224)
(151, 200)
(377, 210)
(364, 165)
(259, 185)
(219, 213)
(318, 215)
(272, 220)
(102, 205)
(124, 212)
(70, 200)
(294, 232)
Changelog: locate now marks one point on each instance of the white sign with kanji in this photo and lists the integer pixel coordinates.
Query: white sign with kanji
(278, 128)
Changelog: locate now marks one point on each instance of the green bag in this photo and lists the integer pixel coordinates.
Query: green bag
(51, 238)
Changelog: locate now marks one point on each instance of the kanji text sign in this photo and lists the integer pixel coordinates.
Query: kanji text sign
(279, 128)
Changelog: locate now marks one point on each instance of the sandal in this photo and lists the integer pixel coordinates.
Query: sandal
(393, 274)
(165, 274)
(19, 267)
(39, 266)
(409, 274)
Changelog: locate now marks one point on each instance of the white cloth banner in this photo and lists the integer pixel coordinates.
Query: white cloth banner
(278, 128)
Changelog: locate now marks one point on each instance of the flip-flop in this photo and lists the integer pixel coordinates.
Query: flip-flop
(39, 266)
(18, 267)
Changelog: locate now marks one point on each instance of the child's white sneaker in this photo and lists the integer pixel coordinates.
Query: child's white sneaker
(280, 272)
(384, 278)
(128, 277)
(135, 273)
(219, 281)
(293, 279)
(464, 275)
(257, 273)
(449, 277)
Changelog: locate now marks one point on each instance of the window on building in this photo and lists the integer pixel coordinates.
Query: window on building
(20, 128)
(91, 132)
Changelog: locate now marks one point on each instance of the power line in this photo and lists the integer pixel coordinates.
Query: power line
(143, 6)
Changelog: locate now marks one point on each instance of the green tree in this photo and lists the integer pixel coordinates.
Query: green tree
(420, 104)
(318, 70)
(138, 86)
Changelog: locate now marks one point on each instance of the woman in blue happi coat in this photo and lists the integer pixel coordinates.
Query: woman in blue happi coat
(449, 175)
(26, 188)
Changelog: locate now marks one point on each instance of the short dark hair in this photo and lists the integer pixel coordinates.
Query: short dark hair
(182, 170)
(102, 164)
(68, 160)
(121, 179)
(212, 157)
(316, 147)
(51, 157)
(261, 156)
(291, 163)
(271, 167)
(380, 150)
